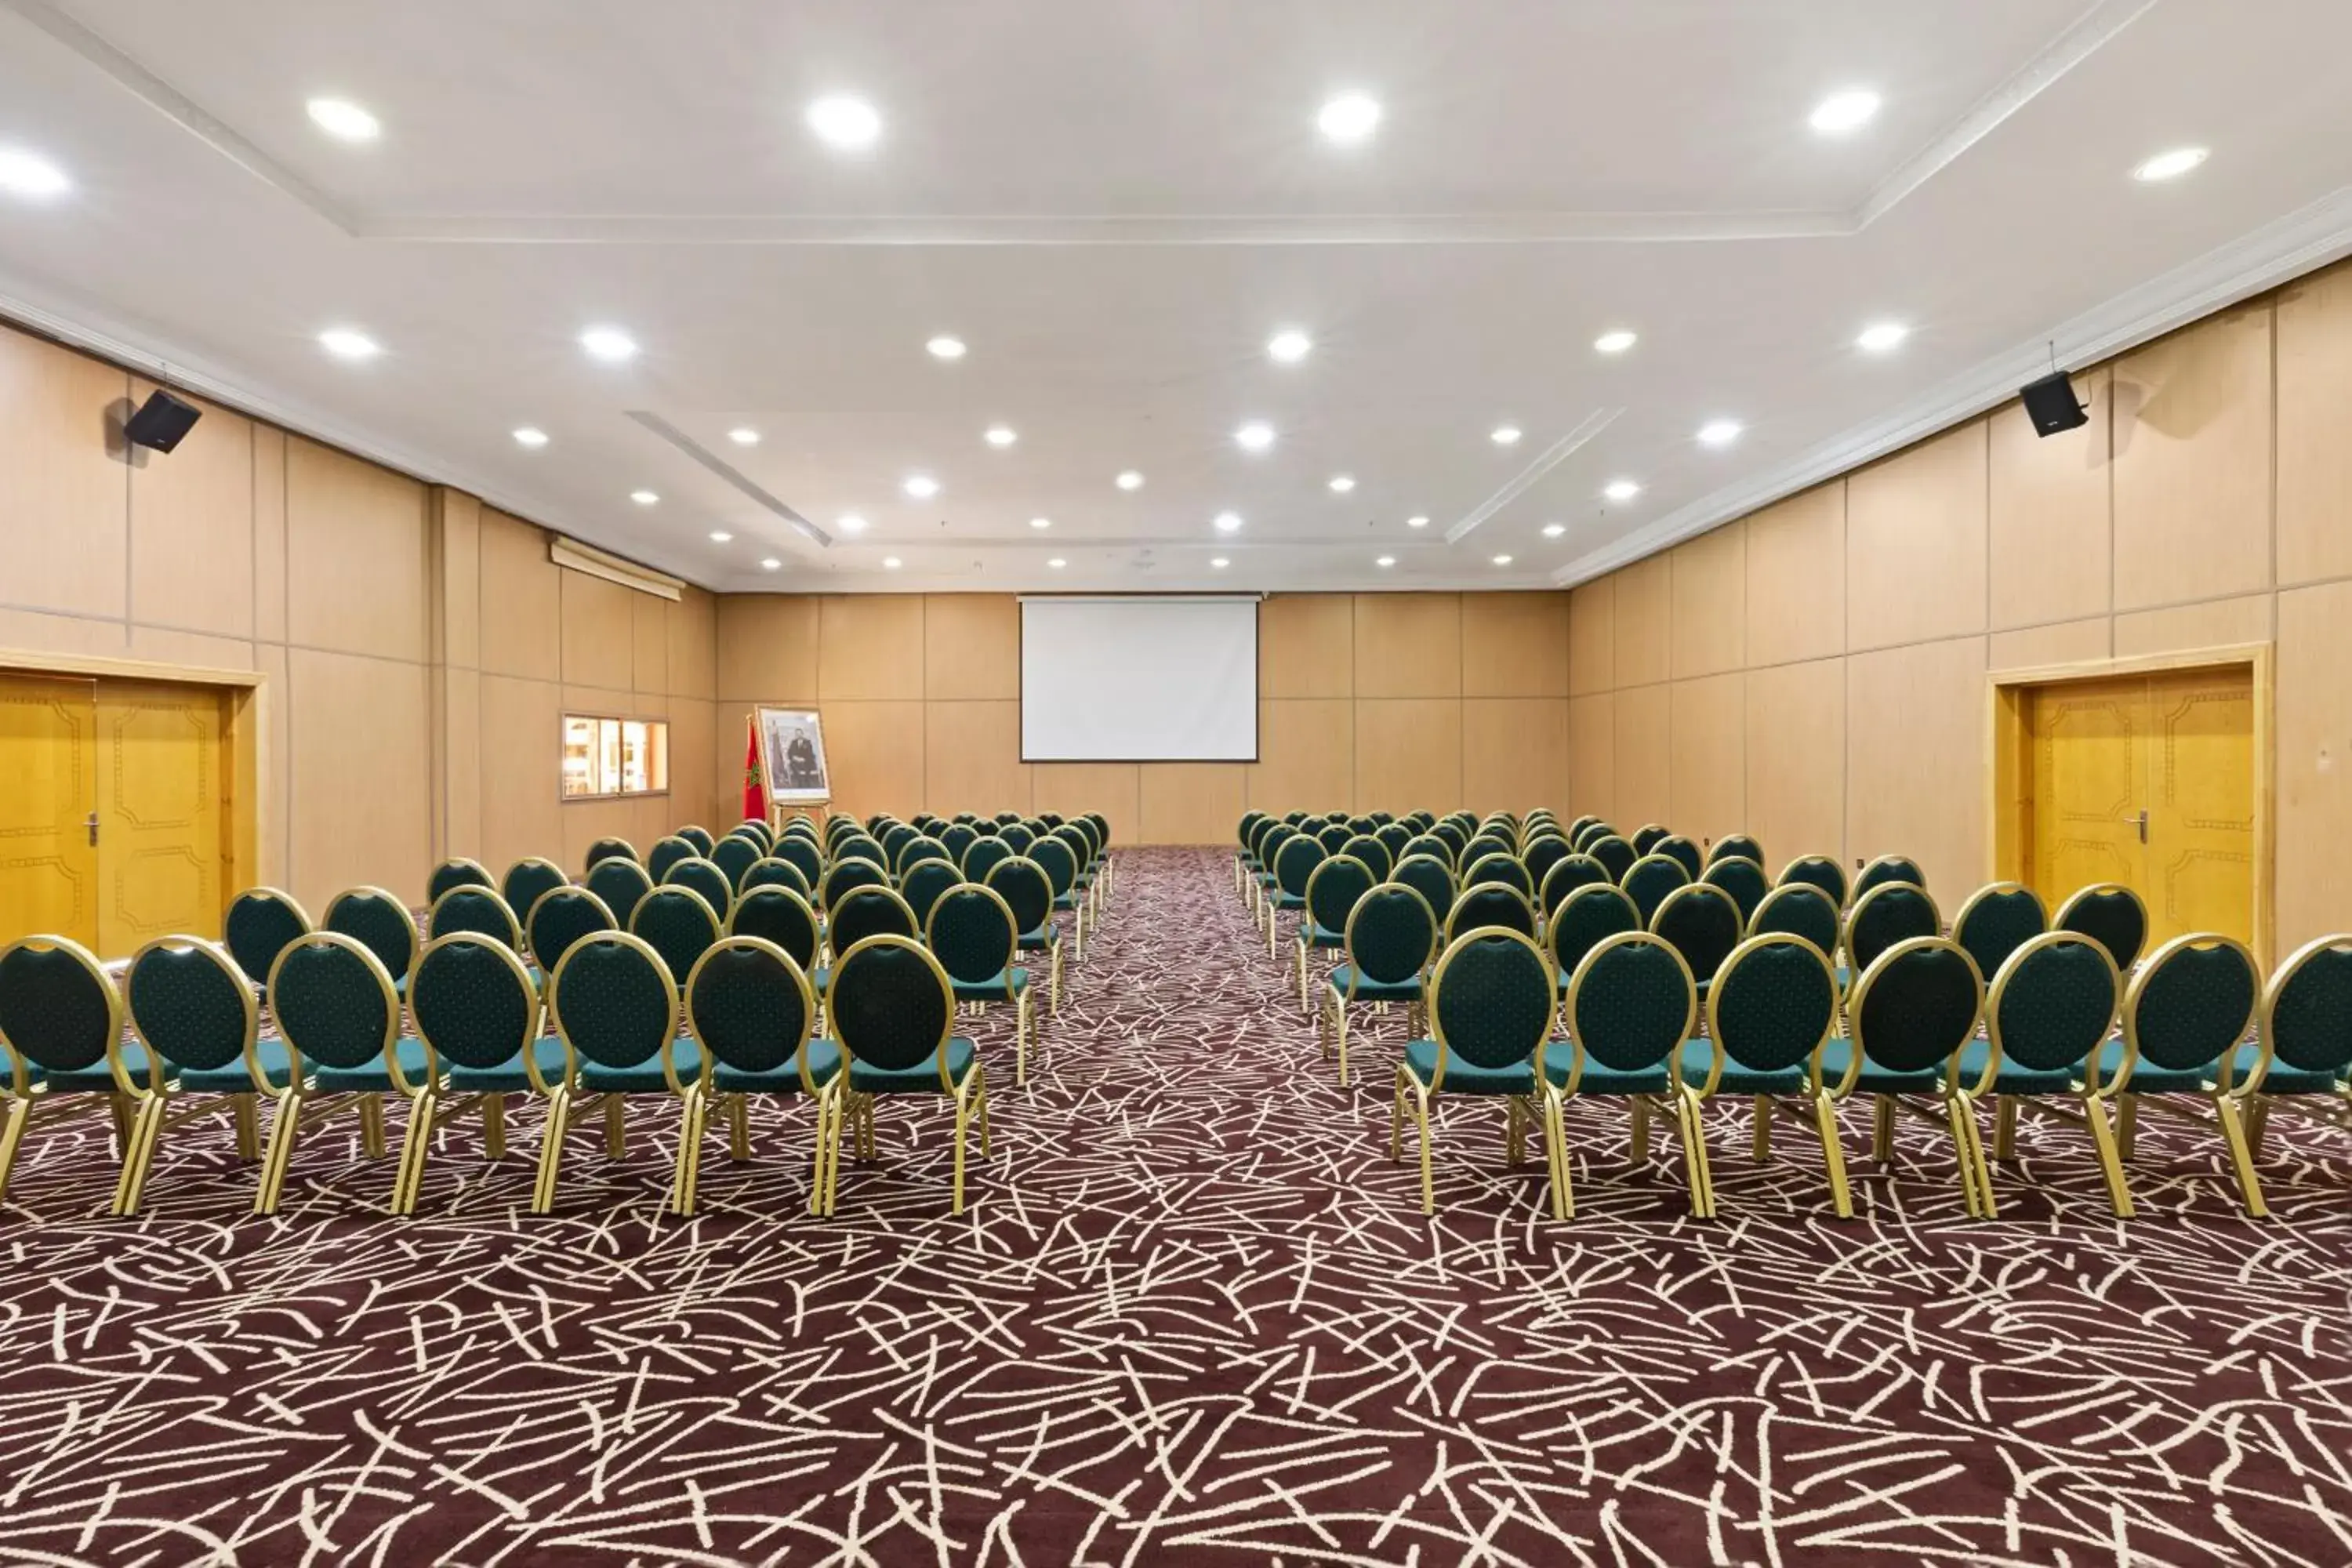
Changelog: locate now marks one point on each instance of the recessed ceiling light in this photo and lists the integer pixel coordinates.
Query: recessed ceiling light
(1040, 522)
(1342, 483)
(770, 563)
(1349, 118)
(1130, 481)
(850, 523)
(1502, 560)
(1718, 432)
(1289, 347)
(1615, 342)
(2170, 166)
(1057, 563)
(343, 120)
(1881, 337)
(1385, 560)
(1620, 489)
(1505, 435)
(1229, 522)
(1219, 562)
(608, 343)
(531, 435)
(1000, 436)
(1254, 437)
(744, 435)
(944, 347)
(892, 562)
(23, 174)
(1842, 111)
(344, 343)
(720, 536)
(843, 120)
(922, 487)
(644, 497)
(1416, 522)
(1554, 529)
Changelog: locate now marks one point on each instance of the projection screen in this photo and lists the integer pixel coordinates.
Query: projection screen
(1138, 680)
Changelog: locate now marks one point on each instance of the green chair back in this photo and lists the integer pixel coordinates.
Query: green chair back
(1701, 923)
(925, 881)
(1998, 919)
(1568, 874)
(1888, 913)
(1497, 865)
(1295, 862)
(1333, 837)
(1743, 878)
(333, 1003)
(2306, 1012)
(58, 1010)
(666, 852)
(1054, 857)
(1816, 871)
(1631, 1004)
(1648, 880)
(1394, 837)
(802, 853)
(1648, 836)
(1333, 889)
(620, 883)
(750, 1006)
(1485, 843)
(1592, 833)
(1494, 906)
(380, 924)
(2052, 1002)
(971, 932)
(261, 923)
(1736, 846)
(1490, 1002)
(868, 911)
(1615, 855)
(1456, 837)
(984, 856)
(1677, 848)
(1373, 854)
(1026, 890)
(2110, 913)
(1773, 1003)
(458, 871)
(605, 849)
(1392, 934)
(892, 1005)
(772, 871)
(846, 877)
(958, 837)
(736, 857)
(2190, 1007)
(680, 924)
(561, 918)
(477, 910)
(614, 1002)
(717, 890)
(698, 836)
(1430, 845)
(919, 850)
(1542, 854)
(1588, 916)
(1428, 876)
(190, 1004)
(1017, 837)
(528, 879)
(1799, 908)
(779, 916)
(472, 1003)
(1917, 1007)
(1888, 869)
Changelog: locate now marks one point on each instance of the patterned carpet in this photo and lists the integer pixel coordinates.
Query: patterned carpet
(1193, 1316)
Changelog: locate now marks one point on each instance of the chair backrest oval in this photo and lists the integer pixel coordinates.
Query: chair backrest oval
(1649, 836)
(1743, 878)
(331, 1001)
(1702, 922)
(477, 909)
(759, 832)
(2190, 1004)
(620, 883)
(1026, 889)
(1391, 933)
(1888, 913)
(1007, 818)
(1674, 847)
(868, 911)
(736, 857)
(958, 836)
(892, 1005)
(750, 1006)
(925, 882)
(1485, 843)
(1998, 919)
(561, 918)
(1501, 867)
(1429, 844)
(679, 923)
(380, 922)
(984, 856)
(614, 1001)
(2306, 1012)
(2110, 912)
(1816, 871)
(1916, 1005)
(1060, 863)
(1631, 1004)
(1614, 855)
(772, 871)
(260, 924)
(1333, 837)
(1886, 869)
(58, 1009)
(1490, 1001)
(1736, 846)
(668, 851)
(1017, 838)
(1568, 874)
(1773, 1003)
(1588, 916)
(189, 1003)
(860, 847)
(1592, 833)
(846, 877)
(805, 856)
(1582, 822)
(472, 1003)
(1542, 853)
(1372, 853)
(1295, 862)
(458, 871)
(1393, 837)
(1333, 889)
(1802, 909)
(698, 836)
(526, 880)
(1490, 905)
(971, 931)
(717, 888)
(1250, 819)
(779, 915)
(896, 836)
(1455, 836)
(918, 850)
(1362, 823)
(1429, 876)
(2052, 1001)
(605, 849)
(1648, 880)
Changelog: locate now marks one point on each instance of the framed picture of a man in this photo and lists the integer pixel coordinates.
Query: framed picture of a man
(792, 747)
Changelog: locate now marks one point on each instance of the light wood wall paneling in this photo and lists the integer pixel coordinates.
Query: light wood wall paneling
(1408, 754)
(767, 649)
(456, 521)
(876, 752)
(521, 773)
(461, 762)
(702, 787)
(1641, 620)
(1709, 614)
(599, 632)
(1643, 752)
(1591, 756)
(1114, 789)
(1306, 756)
(694, 644)
(270, 609)
(2314, 775)
(191, 531)
(2217, 623)
(2051, 513)
(2193, 467)
(1915, 738)
(1708, 789)
(2315, 461)
(164, 646)
(1593, 637)
(358, 775)
(1408, 645)
(275, 764)
(2067, 642)
(1514, 753)
(1515, 645)
(521, 599)
(972, 757)
(1796, 760)
(1915, 543)
(649, 636)
(870, 646)
(1307, 645)
(1795, 603)
(65, 531)
(357, 546)
(1189, 803)
(971, 647)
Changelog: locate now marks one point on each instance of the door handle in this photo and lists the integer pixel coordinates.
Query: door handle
(2139, 821)
(93, 825)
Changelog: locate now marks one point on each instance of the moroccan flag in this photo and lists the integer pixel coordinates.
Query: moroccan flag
(755, 785)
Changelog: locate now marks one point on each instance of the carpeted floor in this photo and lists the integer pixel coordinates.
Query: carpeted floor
(1194, 1315)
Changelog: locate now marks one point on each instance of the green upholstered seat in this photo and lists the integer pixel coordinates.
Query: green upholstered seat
(1683, 852)
(647, 1077)
(1614, 854)
(1587, 916)
(513, 1075)
(1773, 1003)
(2307, 1018)
(334, 1001)
(821, 1058)
(893, 1009)
(2014, 1077)
(1004, 986)
(772, 871)
(1997, 919)
(2187, 1011)
(276, 1069)
(1346, 980)
(868, 911)
(698, 836)
(475, 1006)
(613, 1001)
(2051, 1009)
(1499, 867)
(846, 877)
(984, 856)
(1648, 880)
(1914, 1007)
(260, 924)
(924, 883)
(1600, 1079)
(1631, 1006)
(972, 934)
(1428, 876)
(374, 1077)
(1874, 1077)
(1698, 1060)
(802, 855)
(192, 1007)
(751, 1008)
(1701, 923)
(2110, 913)
(736, 855)
(666, 852)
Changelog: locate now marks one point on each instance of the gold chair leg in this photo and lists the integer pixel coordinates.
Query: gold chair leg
(1760, 1111)
(283, 1127)
(1638, 1150)
(1965, 1118)
(1339, 1028)
(980, 1092)
(2258, 1122)
(616, 1135)
(1057, 980)
(1428, 1182)
(2127, 1126)
(12, 1136)
(551, 1149)
(1563, 1200)
(2111, 1166)
(146, 1128)
(371, 1126)
(1025, 1033)
(963, 1121)
(2233, 1133)
(413, 1143)
(244, 1115)
(738, 1127)
(494, 1126)
(1396, 1120)
(693, 1114)
(1882, 1129)
(1825, 1117)
(1514, 1137)
(2004, 1127)
(1695, 1168)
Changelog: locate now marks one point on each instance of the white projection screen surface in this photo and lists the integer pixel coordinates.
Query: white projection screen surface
(1139, 681)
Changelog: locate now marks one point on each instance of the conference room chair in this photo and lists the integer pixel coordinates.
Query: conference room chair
(893, 1013)
(2185, 1016)
(1683, 852)
(477, 909)
(1996, 920)
(1007, 818)
(1588, 917)
(1743, 878)
(261, 923)
(735, 856)
(698, 836)
(1581, 823)
(1909, 1021)
(1272, 836)
(1566, 875)
(846, 877)
(1592, 833)
(1429, 845)
(1054, 857)
(1456, 837)
(924, 883)
(895, 836)
(801, 852)
(1292, 864)
(200, 1053)
(772, 872)
(967, 818)
(340, 1019)
(1736, 846)
(1333, 837)
(863, 912)
(1816, 871)
(1501, 867)
(619, 884)
(381, 924)
(1542, 853)
(458, 871)
(717, 890)
(781, 917)
(1701, 923)
(2048, 1016)
(1099, 874)
(1372, 853)
(972, 934)
(1332, 889)
(1389, 942)
(2304, 1035)
(1886, 869)
(666, 852)
(614, 1006)
(2109, 913)
(604, 849)
(1770, 1014)
(1648, 880)
(958, 836)
(916, 851)
(478, 1014)
(1889, 913)
(61, 1024)
(1649, 836)
(1631, 1006)
(752, 1014)
(752, 827)
(562, 917)
(860, 847)
(679, 923)
(1029, 894)
(1394, 837)
(1614, 855)
(1484, 844)
(1495, 905)
(1428, 876)
(526, 880)
(1490, 1011)
(984, 856)
(1245, 848)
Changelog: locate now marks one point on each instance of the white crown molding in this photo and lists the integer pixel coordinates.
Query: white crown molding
(2301, 242)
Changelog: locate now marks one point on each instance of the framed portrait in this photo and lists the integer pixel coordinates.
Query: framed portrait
(792, 753)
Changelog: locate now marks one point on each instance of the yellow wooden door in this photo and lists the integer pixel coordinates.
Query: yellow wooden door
(2090, 775)
(48, 871)
(2200, 803)
(162, 809)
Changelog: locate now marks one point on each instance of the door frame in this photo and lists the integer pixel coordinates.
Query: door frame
(2009, 779)
(244, 715)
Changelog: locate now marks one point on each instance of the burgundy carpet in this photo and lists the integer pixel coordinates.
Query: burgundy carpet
(1193, 1316)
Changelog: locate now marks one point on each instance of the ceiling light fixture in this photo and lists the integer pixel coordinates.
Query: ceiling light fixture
(1255, 437)
(644, 497)
(744, 435)
(1040, 522)
(23, 174)
(1719, 432)
(1416, 522)
(1502, 560)
(1881, 337)
(1229, 522)
(850, 523)
(1349, 118)
(1057, 563)
(2170, 165)
(1844, 111)
(945, 347)
(1620, 489)
(1219, 562)
(1289, 346)
(531, 435)
(344, 343)
(1385, 560)
(720, 536)
(1615, 342)
(770, 563)
(1504, 435)
(841, 120)
(608, 343)
(343, 120)
(892, 562)
(922, 487)
(1342, 483)
(1000, 436)
(1554, 529)
(1130, 481)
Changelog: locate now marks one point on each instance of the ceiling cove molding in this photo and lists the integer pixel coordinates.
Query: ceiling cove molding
(735, 478)
(1552, 457)
(2274, 254)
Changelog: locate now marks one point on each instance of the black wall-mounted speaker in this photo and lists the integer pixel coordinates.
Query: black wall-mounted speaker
(2050, 404)
(162, 422)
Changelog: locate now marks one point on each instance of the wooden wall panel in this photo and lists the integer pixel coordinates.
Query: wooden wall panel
(701, 787)
(649, 642)
(1307, 645)
(1640, 621)
(694, 644)
(876, 750)
(1189, 803)
(65, 529)
(2315, 461)
(269, 534)
(598, 631)
(1306, 756)
(357, 545)
(1515, 645)
(1915, 741)
(275, 823)
(972, 758)
(1408, 754)
(1113, 789)
(2218, 623)
(2067, 642)
(971, 647)
(1593, 637)
(2192, 469)
(2051, 550)
(456, 520)
(191, 563)
(521, 747)
(460, 697)
(1514, 753)
(1408, 645)
(522, 600)
(1796, 760)
(767, 647)
(1643, 748)
(1796, 578)
(2313, 779)
(1707, 787)
(870, 645)
(1591, 756)
(358, 775)
(1915, 543)
(1709, 613)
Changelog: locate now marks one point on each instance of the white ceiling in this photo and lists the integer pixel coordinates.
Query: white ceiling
(1114, 203)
